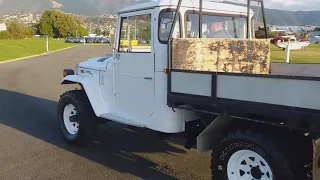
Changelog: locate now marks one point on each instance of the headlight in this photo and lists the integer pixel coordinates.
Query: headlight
(77, 69)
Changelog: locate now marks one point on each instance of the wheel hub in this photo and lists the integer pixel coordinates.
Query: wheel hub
(248, 165)
(256, 172)
(70, 119)
(73, 118)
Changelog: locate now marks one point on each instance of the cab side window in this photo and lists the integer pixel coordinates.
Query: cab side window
(140, 33)
(214, 26)
(135, 34)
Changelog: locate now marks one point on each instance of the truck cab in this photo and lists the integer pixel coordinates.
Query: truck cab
(206, 77)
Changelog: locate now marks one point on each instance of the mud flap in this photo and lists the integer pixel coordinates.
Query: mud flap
(316, 162)
(208, 139)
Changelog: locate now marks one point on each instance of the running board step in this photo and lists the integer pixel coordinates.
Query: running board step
(122, 120)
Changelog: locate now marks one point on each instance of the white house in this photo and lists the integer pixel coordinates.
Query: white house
(3, 27)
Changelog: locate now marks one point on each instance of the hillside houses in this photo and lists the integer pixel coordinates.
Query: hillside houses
(92, 23)
(26, 19)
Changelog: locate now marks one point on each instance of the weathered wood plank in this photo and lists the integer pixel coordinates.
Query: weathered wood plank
(222, 55)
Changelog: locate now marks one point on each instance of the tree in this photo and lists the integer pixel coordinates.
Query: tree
(29, 32)
(259, 34)
(106, 32)
(145, 33)
(98, 31)
(17, 30)
(82, 31)
(57, 24)
(46, 23)
(65, 26)
(4, 35)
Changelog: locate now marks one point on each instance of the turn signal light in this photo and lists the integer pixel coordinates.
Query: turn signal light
(165, 70)
(67, 72)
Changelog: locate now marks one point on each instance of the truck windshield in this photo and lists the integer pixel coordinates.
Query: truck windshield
(215, 26)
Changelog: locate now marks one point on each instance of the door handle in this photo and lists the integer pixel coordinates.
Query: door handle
(148, 78)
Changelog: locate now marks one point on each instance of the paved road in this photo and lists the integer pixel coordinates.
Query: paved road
(309, 70)
(31, 146)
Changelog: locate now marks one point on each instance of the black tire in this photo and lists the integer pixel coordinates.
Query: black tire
(277, 160)
(88, 122)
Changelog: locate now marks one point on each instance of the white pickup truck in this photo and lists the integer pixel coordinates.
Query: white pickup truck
(194, 66)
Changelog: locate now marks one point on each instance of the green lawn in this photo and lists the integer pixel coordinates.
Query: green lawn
(311, 54)
(12, 49)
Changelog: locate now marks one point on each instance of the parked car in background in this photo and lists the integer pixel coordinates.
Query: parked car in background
(88, 40)
(71, 40)
(67, 39)
(81, 40)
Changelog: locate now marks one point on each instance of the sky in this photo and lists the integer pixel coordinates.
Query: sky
(294, 5)
(291, 5)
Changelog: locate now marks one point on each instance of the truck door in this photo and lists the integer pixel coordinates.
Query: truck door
(134, 72)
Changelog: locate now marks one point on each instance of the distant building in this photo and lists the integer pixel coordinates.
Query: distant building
(92, 35)
(293, 29)
(3, 27)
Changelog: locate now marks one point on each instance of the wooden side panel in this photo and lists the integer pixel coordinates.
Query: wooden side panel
(250, 56)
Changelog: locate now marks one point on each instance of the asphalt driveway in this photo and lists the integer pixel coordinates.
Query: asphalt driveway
(31, 146)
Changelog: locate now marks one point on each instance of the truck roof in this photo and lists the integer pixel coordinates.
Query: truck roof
(207, 5)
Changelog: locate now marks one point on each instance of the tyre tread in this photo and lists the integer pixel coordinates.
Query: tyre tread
(89, 123)
(270, 144)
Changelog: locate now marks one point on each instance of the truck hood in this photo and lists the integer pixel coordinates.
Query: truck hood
(98, 63)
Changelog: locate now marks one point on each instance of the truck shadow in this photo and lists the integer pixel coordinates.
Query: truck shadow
(116, 145)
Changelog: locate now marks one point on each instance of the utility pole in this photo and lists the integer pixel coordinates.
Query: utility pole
(47, 43)
(135, 28)
(288, 52)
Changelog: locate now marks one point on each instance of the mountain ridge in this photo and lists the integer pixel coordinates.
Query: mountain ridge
(100, 7)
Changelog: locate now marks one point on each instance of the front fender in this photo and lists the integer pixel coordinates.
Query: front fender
(92, 89)
(71, 79)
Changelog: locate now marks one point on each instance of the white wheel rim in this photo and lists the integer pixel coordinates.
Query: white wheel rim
(70, 119)
(248, 165)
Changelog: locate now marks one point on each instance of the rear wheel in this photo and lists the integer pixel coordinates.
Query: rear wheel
(77, 121)
(244, 155)
(247, 164)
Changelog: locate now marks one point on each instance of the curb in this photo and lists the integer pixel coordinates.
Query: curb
(37, 55)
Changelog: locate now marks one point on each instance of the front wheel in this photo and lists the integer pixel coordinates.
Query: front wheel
(244, 155)
(77, 121)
